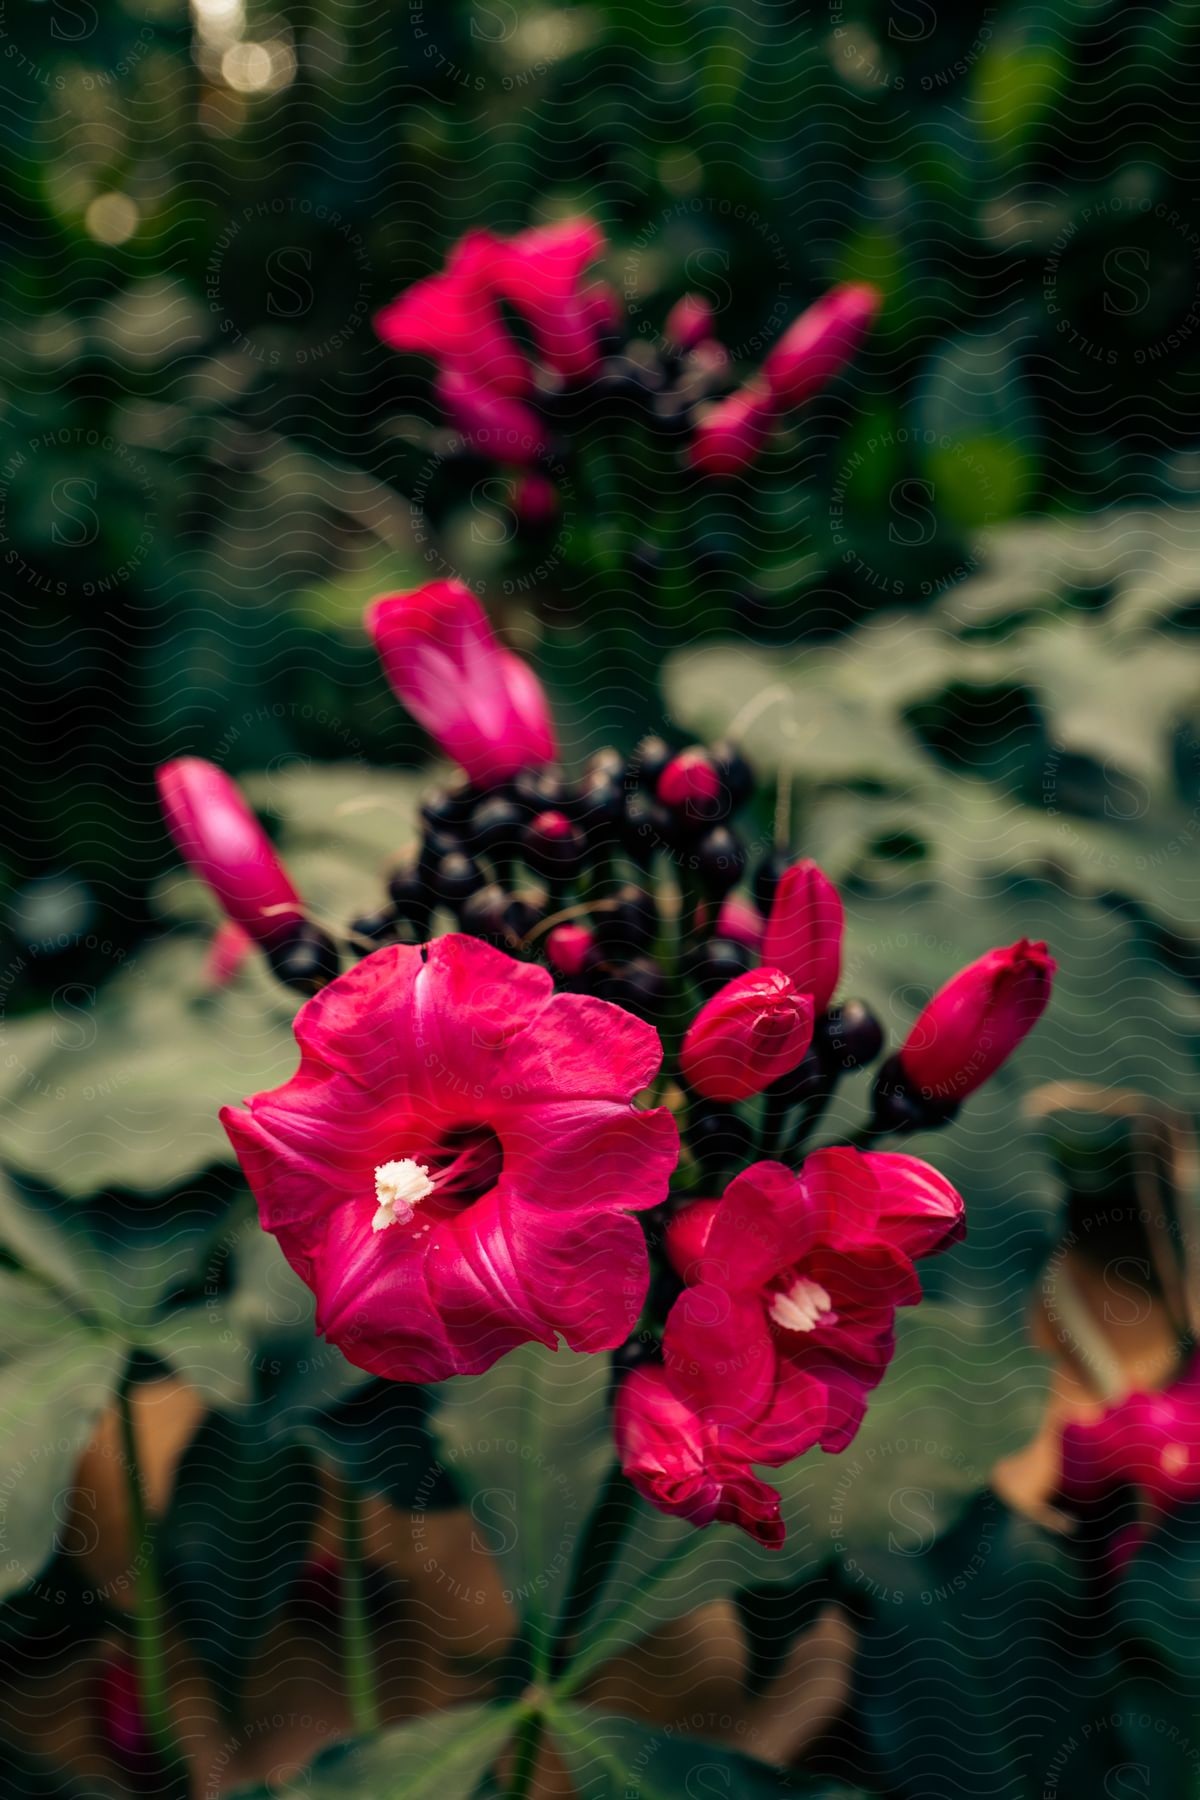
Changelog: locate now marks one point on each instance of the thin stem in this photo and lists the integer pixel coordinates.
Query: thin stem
(527, 1741)
(149, 1612)
(594, 1555)
(607, 1640)
(357, 1656)
(774, 1117)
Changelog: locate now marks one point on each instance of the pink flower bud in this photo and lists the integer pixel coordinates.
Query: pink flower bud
(567, 949)
(755, 1030)
(804, 932)
(453, 318)
(221, 840)
(541, 273)
(691, 783)
(740, 920)
(732, 432)
(977, 1020)
(820, 342)
(689, 322)
(483, 705)
(490, 421)
(536, 501)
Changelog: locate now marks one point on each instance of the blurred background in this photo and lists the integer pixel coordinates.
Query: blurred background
(953, 610)
(208, 460)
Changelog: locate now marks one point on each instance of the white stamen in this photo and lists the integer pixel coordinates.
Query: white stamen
(804, 1306)
(399, 1188)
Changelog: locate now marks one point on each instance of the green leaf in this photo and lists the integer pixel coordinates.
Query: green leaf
(56, 1378)
(609, 1758)
(129, 1096)
(972, 1672)
(235, 1537)
(442, 1757)
(201, 1346)
(1159, 1595)
(380, 1440)
(530, 1442)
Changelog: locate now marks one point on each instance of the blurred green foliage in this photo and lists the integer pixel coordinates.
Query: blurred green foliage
(206, 458)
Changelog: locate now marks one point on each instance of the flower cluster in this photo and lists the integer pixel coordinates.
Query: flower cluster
(484, 1144)
(514, 406)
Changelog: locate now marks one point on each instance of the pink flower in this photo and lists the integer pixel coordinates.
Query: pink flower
(787, 1321)
(820, 342)
(741, 920)
(230, 946)
(568, 948)
(732, 432)
(484, 705)
(454, 1167)
(541, 273)
(490, 421)
(691, 784)
(453, 319)
(690, 322)
(804, 932)
(757, 1028)
(676, 1462)
(221, 840)
(976, 1021)
(1148, 1441)
(536, 501)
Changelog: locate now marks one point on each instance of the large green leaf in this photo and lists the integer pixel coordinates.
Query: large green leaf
(442, 1757)
(235, 1537)
(57, 1375)
(610, 1758)
(1159, 1595)
(981, 1666)
(530, 1443)
(129, 1098)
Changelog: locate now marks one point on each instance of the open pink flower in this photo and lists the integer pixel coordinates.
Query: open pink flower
(454, 1167)
(541, 272)
(1147, 1441)
(453, 318)
(675, 1461)
(485, 707)
(787, 1321)
(820, 342)
(804, 932)
(221, 840)
(976, 1021)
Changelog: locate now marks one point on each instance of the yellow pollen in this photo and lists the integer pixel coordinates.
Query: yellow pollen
(399, 1188)
(803, 1307)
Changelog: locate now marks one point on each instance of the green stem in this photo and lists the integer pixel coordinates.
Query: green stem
(602, 1539)
(526, 1743)
(149, 1612)
(357, 1656)
(608, 1639)
(774, 1118)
